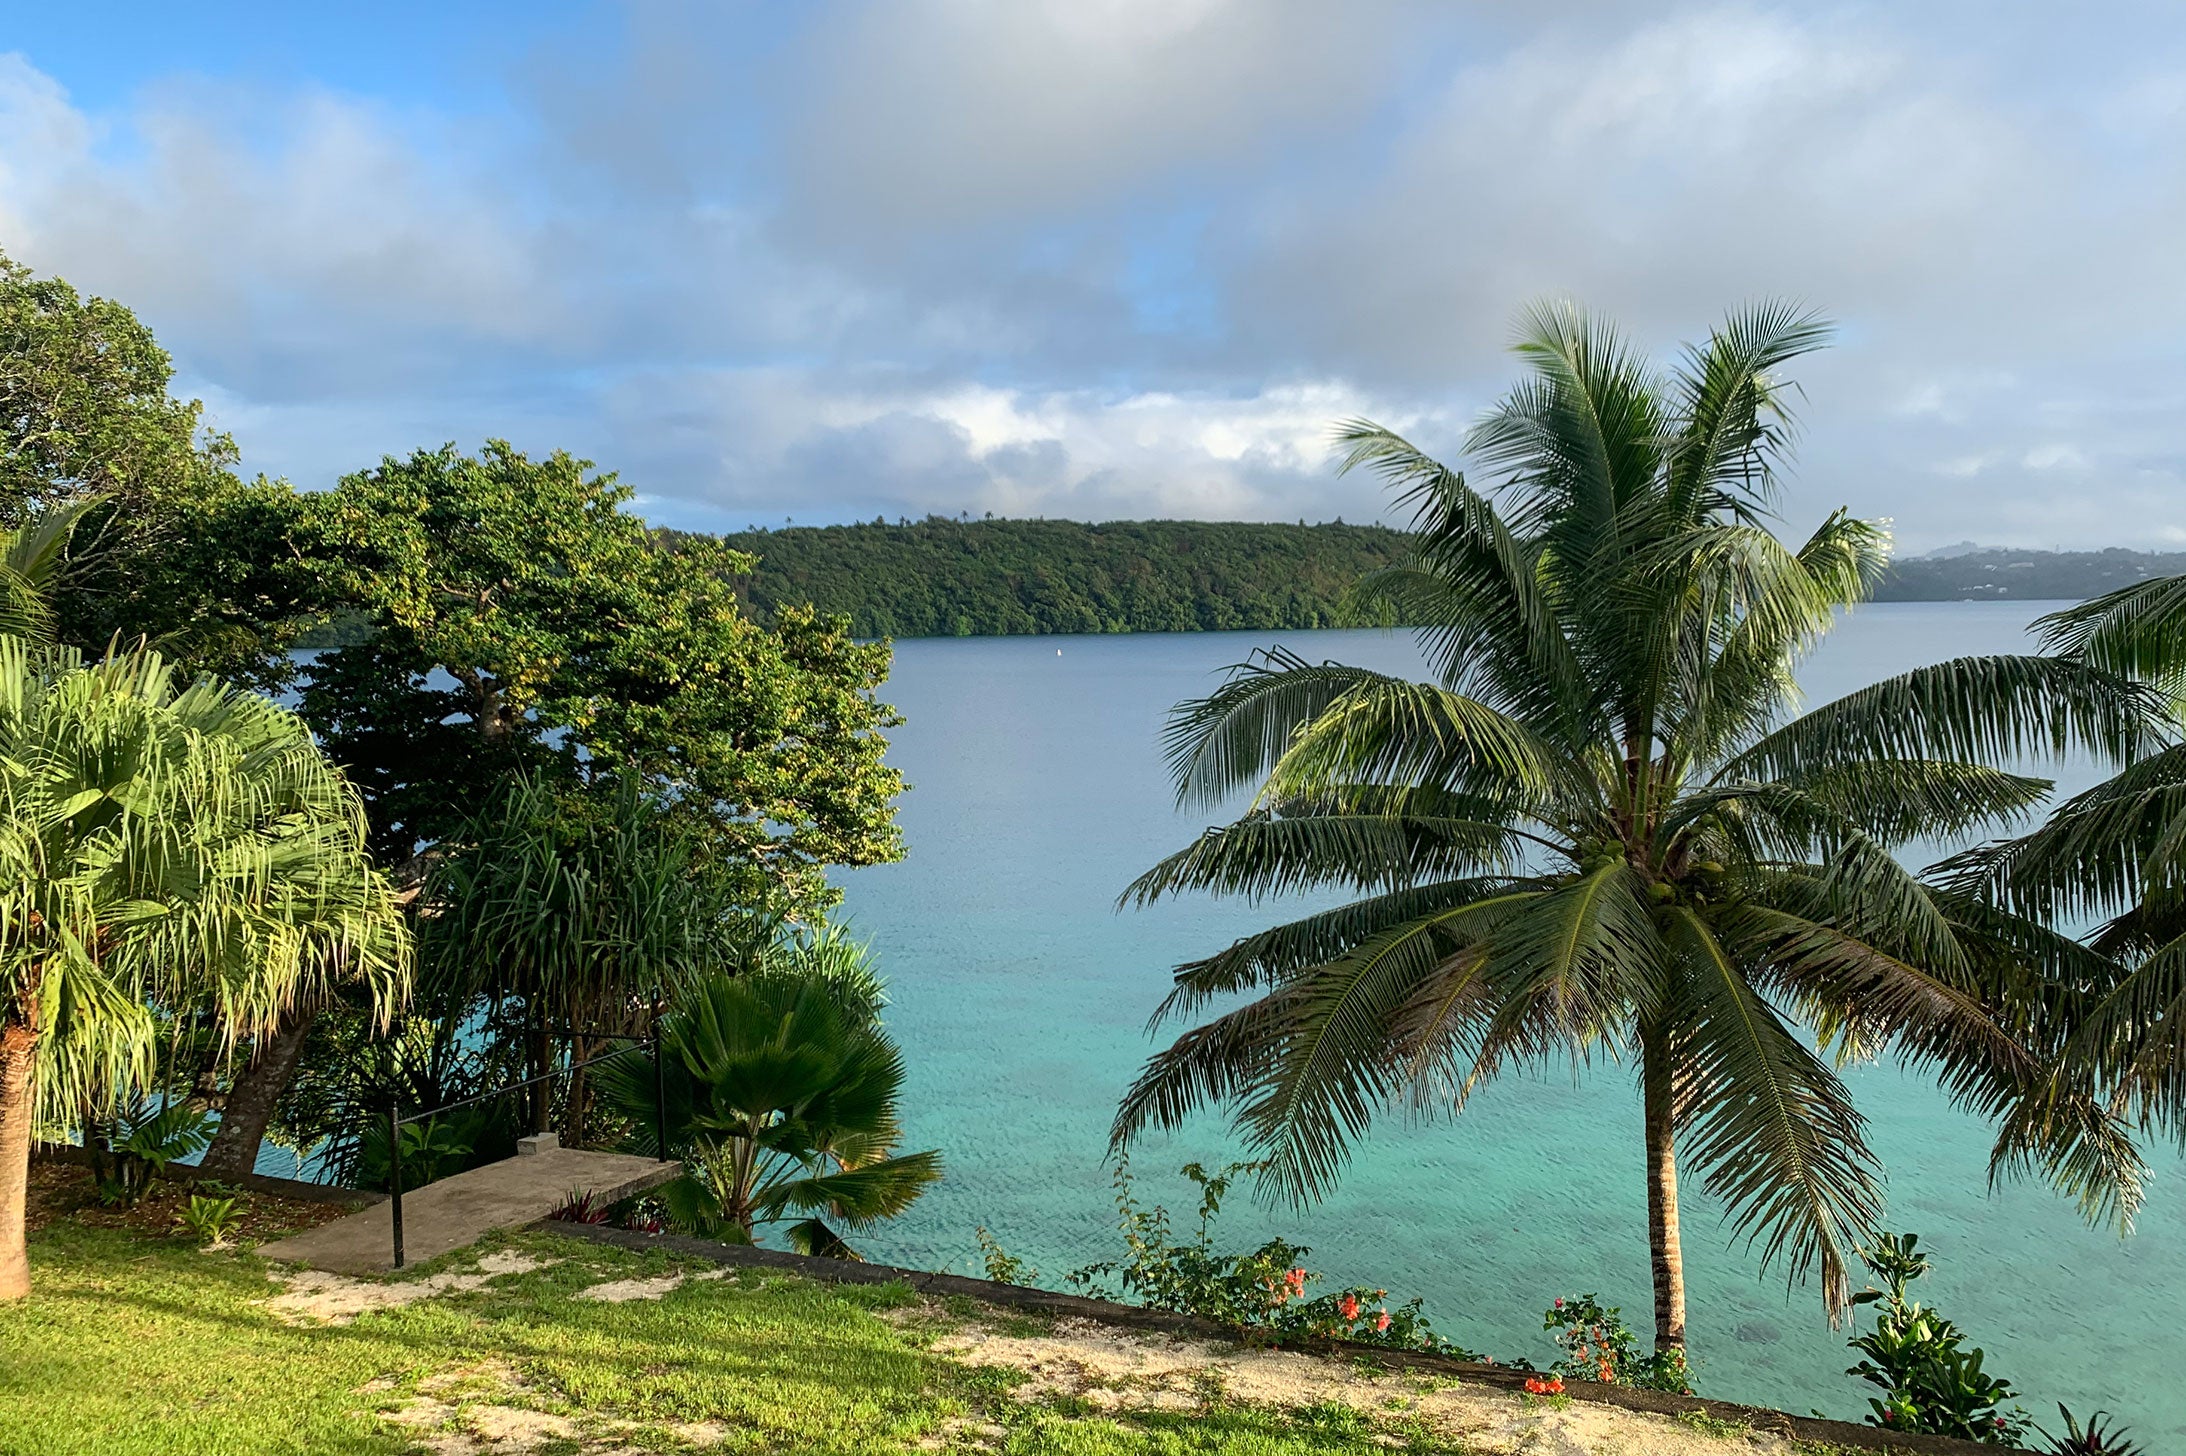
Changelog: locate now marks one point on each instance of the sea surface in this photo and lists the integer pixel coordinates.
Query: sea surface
(1021, 992)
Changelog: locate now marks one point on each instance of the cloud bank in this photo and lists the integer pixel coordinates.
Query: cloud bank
(1120, 258)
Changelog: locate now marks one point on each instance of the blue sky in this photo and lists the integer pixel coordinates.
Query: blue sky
(1106, 258)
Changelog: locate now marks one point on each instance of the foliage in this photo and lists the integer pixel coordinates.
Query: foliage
(33, 553)
(163, 847)
(2097, 1438)
(1002, 1266)
(781, 1096)
(354, 1065)
(2115, 855)
(582, 1205)
(577, 650)
(1598, 831)
(175, 549)
(209, 1219)
(948, 578)
(1930, 1383)
(1599, 1346)
(151, 1138)
(431, 1150)
(558, 908)
(1260, 1293)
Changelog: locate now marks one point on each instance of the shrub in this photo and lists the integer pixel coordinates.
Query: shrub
(1599, 1346)
(580, 1206)
(150, 1140)
(1930, 1382)
(1259, 1293)
(209, 1220)
(2096, 1439)
(1003, 1267)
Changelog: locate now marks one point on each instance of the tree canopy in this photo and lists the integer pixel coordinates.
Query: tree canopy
(941, 577)
(524, 620)
(174, 549)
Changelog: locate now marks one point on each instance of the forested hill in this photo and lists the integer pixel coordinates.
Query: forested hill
(2013, 575)
(941, 577)
(945, 577)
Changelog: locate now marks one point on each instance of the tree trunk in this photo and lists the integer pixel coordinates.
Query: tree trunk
(576, 1111)
(18, 1089)
(253, 1095)
(1659, 1099)
(542, 1057)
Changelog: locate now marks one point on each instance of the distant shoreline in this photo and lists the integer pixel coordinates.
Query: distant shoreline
(957, 577)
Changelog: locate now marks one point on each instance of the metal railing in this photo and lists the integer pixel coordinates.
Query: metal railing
(397, 1119)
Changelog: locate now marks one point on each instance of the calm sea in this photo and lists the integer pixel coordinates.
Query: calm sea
(1021, 994)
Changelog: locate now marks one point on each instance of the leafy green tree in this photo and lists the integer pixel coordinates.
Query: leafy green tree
(173, 549)
(524, 621)
(781, 1096)
(159, 848)
(1596, 834)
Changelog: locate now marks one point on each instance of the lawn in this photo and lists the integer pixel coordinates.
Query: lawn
(136, 1342)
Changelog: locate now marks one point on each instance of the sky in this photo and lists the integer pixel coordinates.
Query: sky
(1123, 258)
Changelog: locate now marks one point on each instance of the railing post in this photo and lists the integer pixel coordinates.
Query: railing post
(394, 1169)
(660, 1083)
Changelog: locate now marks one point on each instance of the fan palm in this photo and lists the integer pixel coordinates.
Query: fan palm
(158, 846)
(781, 1095)
(33, 555)
(1598, 833)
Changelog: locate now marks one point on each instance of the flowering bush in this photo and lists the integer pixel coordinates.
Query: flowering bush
(1599, 1346)
(1929, 1383)
(1544, 1385)
(1262, 1292)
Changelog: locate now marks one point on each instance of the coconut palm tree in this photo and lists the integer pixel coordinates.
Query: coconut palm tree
(1598, 833)
(2113, 861)
(158, 846)
(781, 1092)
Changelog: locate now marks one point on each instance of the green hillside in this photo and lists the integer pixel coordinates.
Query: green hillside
(944, 577)
(940, 577)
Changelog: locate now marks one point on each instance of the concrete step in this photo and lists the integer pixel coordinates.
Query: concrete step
(457, 1211)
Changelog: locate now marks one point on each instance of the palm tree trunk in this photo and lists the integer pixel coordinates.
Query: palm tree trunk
(18, 1070)
(1658, 1097)
(254, 1093)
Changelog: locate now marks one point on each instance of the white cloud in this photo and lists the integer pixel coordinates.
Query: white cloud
(1108, 257)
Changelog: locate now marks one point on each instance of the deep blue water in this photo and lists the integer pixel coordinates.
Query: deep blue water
(1021, 994)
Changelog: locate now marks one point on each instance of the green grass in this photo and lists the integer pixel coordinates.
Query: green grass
(136, 1344)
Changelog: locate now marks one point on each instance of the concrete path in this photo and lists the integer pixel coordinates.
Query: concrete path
(459, 1210)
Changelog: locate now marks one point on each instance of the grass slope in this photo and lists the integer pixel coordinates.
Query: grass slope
(135, 1343)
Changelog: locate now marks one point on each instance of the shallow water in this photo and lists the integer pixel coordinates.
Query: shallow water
(1021, 995)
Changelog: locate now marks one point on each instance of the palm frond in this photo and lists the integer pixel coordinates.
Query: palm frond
(1775, 1131)
(1969, 709)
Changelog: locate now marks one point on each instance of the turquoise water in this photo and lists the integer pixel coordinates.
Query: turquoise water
(1021, 995)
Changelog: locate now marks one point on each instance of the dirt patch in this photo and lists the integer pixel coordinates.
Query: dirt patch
(478, 1410)
(64, 1190)
(622, 1291)
(314, 1297)
(1120, 1371)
